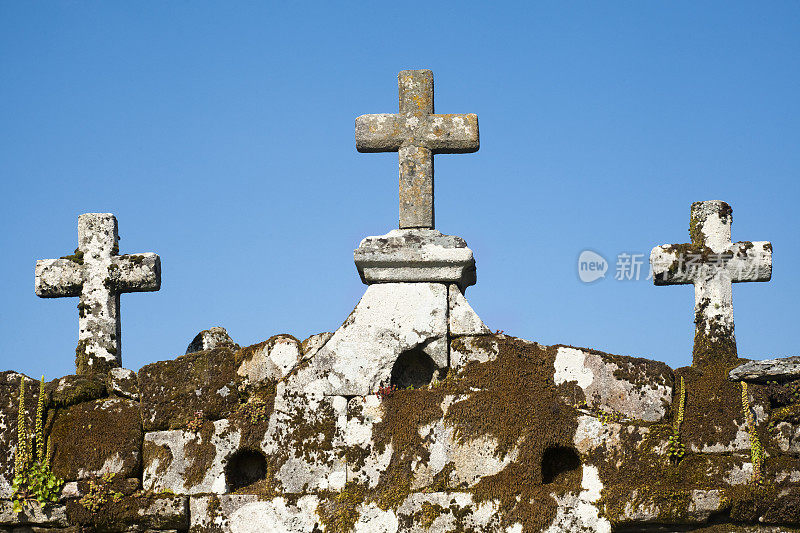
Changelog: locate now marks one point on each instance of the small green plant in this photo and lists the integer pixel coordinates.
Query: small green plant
(33, 479)
(756, 450)
(605, 417)
(676, 449)
(256, 410)
(99, 493)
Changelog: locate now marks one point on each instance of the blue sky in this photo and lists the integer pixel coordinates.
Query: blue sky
(221, 135)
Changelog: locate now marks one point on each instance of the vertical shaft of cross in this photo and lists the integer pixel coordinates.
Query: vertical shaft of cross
(99, 330)
(417, 133)
(710, 231)
(415, 90)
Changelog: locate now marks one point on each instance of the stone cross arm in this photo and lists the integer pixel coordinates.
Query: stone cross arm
(682, 264)
(58, 278)
(441, 134)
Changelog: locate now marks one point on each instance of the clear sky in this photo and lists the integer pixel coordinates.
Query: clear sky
(221, 135)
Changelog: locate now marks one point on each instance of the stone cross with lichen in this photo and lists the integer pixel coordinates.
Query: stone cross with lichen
(416, 133)
(712, 263)
(98, 275)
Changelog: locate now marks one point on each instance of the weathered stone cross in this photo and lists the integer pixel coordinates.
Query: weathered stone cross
(98, 275)
(416, 133)
(712, 262)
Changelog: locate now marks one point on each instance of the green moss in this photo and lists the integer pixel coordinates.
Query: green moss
(115, 508)
(160, 453)
(338, 512)
(86, 435)
(75, 389)
(200, 452)
(511, 399)
(99, 365)
(428, 514)
(76, 257)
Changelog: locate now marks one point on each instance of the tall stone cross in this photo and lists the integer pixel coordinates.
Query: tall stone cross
(98, 275)
(416, 133)
(712, 263)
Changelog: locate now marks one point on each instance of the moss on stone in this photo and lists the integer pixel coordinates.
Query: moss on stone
(75, 389)
(339, 511)
(158, 453)
(512, 399)
(173, 391)
(87, 436)
(200, 452)
(76, 257)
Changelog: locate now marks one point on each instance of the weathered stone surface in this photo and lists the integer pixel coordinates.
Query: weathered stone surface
(123, 382)
(98, 274)
(466, 461)
(415, 255)
(187, 462)
(139, 512)
(208, 339)
(479, 349)
(172, 392)
(712, 262)
(304, 442)
(581, 511)
(95, 438)
(390, 319)
(447, 512)
(416, 133)
(75, 389)
(268, 361)
(33, 515)
(636, 388)
(278, 515)
(312, 345)
(212, 513)
(462, 320)
(785, 368)
(787, 437)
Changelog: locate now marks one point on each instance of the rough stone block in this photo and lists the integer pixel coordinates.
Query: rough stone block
(446, 460)
(139, 512)
(312, 345)
(446, 512)
(123, 382)
(636, 388)
(211, 338)
(173, 391)
(479, 349)
(75, 389)
(50, 515)
(391, 319)
(786, 437)
(95, 438)
(278, 514)
(415, 255)
(188, 462)
(304, 443)
(211, 513)
(782, 369)
(268, 361)
(462, 320)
